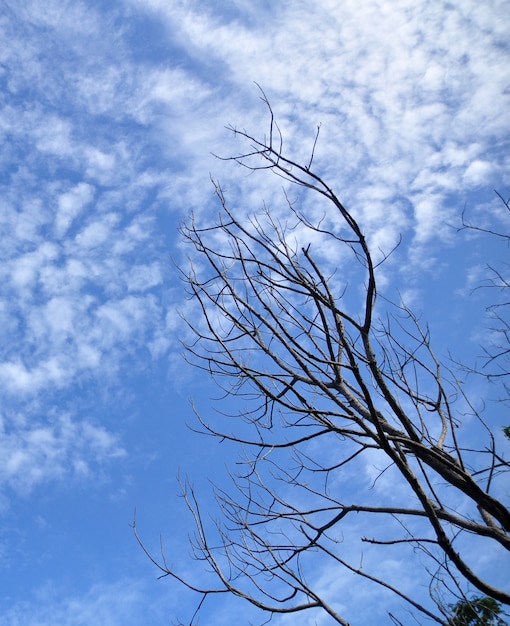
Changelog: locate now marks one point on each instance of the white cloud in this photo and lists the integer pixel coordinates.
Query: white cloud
(55, 137)
(25, 269)
(480, 173)
(70, 205)
(144, 277)
(98, 232)
(114, 603)
(39, 451)
(118, 320)
(401, 90)
(79, 236)
(20, 379)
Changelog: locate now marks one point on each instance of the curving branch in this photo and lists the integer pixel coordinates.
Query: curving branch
(327, 379)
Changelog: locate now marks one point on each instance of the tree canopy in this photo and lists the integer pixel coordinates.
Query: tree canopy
(480, 611)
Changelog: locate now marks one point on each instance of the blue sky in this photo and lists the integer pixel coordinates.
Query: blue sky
(110, 114)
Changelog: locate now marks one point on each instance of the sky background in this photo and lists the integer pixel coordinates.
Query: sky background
(110, 115)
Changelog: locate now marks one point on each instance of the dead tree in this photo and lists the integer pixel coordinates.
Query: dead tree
(330, 378)
(495, 360)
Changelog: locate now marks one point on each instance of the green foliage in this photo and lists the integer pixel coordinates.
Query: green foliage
(482, 611)
(506, 430)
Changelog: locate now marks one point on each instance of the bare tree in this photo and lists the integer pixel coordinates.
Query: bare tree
(330, 378)
(495, 364)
